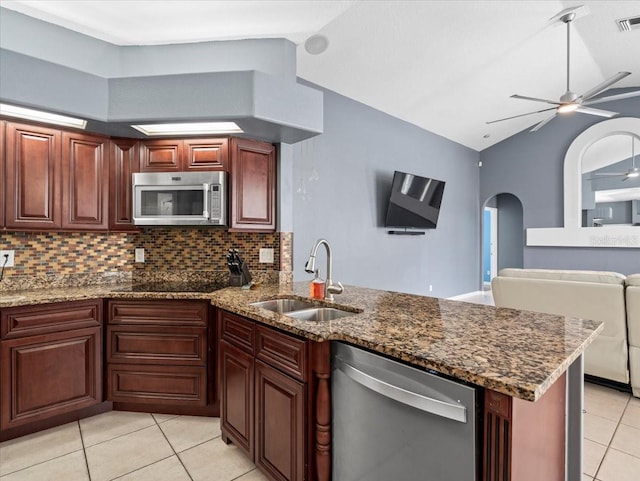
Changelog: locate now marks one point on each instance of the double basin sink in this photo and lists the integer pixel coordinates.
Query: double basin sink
(302, 310)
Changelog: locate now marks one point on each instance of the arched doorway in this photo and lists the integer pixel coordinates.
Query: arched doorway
(502, 236)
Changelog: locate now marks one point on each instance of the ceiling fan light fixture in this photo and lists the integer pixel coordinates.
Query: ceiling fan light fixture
(566, 108)
(633, 174)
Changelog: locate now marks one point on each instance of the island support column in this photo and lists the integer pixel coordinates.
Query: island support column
(575, 404)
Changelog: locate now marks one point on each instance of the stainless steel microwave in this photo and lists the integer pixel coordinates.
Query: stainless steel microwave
(180, 198)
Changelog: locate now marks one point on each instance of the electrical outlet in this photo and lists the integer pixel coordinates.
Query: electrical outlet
(266, 255)
(139, 256)
(430, 287)
(10, 260)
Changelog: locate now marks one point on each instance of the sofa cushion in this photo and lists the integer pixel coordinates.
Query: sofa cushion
(633, 280)
(600, 277)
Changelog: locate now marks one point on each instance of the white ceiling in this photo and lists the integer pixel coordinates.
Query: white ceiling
(446, 66)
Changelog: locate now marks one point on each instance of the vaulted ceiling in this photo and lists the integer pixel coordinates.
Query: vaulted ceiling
(446, 66)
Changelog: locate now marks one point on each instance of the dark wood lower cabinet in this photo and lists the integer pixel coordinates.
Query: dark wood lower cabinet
(236, 389)
(159, 356)
(50, 365)
(280, 424)
(275, 399)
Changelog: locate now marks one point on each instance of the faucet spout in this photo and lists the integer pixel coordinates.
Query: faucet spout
(310, 267)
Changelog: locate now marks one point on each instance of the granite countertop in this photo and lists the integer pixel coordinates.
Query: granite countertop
(518, 353)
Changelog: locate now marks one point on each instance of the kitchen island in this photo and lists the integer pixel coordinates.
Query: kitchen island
(525, 362)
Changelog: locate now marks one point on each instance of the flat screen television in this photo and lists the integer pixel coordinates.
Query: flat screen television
(414, 201)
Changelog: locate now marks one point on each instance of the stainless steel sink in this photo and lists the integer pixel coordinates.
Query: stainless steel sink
(282, 306)
(320, 314)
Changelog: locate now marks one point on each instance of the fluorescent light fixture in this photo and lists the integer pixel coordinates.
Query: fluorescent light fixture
(193, 128)
(564, 108)
(40, 116)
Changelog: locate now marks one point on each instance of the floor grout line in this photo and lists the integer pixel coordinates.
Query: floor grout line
(41, 462)
(173, 449)
(84, 450)
(595, 476)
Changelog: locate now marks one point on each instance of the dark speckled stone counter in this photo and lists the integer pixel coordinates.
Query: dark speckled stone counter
(514, 352)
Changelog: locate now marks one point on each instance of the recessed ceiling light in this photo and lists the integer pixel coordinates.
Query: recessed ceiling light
(40, 116)
(316, 44)
(192, 128)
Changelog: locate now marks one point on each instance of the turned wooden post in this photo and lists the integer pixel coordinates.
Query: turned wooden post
(322, 425)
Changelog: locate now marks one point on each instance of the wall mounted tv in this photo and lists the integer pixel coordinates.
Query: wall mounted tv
(414, 202)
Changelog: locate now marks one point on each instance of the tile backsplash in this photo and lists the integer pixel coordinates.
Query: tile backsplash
(42, 257)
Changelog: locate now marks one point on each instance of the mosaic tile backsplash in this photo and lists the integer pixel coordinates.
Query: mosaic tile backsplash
(92, 258)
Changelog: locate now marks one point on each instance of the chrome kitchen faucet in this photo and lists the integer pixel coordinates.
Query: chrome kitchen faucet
(310, 267)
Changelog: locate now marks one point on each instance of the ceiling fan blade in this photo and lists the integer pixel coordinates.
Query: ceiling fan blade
(602, 113)
(521, 115)
(626, 95)
(535, 99)
(610, 174)
(542, 124)
(604, 85)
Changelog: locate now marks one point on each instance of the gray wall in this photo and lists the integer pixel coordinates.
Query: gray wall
(354, 159)
(510, 232)
(530, 166)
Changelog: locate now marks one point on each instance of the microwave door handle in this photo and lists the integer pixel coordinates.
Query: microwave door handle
(206, 196)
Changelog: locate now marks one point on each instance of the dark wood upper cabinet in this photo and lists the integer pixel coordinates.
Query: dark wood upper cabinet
(85, 182)
(253, 186)
(206, 154)
(33, 170)
(177, 155)
(161, 155)
(124, 160)
(52, 179)
(3, 126)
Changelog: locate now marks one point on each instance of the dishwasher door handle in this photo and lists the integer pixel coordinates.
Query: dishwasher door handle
(455, 412)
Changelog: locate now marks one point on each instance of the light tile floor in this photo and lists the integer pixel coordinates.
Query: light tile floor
(129, 446)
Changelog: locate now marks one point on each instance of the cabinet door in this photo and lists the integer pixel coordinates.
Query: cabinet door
(123, 162)
(206, 154)
(85, 182)
(32, 177)
(161, 156)
(46, 375)
(3, 126)
(280, 429)
(253, 186)
(236, 397)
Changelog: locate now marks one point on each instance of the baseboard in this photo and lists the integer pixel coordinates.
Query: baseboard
(466, 295)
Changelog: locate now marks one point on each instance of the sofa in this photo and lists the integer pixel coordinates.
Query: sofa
(633, 328)
(595, 295)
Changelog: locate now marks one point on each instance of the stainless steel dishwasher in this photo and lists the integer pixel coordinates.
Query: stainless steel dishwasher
(393, 422)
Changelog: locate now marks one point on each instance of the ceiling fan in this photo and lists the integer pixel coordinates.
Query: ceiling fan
(570, 101)
(632, 173)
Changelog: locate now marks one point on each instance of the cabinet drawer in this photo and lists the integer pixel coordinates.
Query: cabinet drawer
(184, 385)
(237, 331)
(148, 344)
(34, 320)
(158, 312)
(284, 352)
